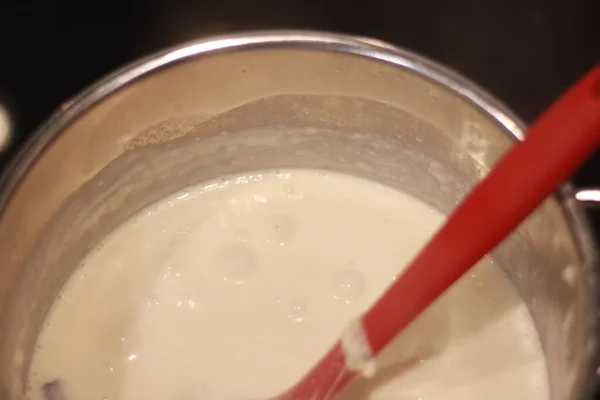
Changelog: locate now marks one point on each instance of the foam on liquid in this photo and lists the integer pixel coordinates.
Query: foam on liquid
(232, 289)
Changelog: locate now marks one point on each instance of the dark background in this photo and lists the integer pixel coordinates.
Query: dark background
(524, 51)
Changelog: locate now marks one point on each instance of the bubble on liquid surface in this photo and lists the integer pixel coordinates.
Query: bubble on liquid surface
(280, 229)
(348, 285)
(297, 310)
(237, 263)
(241, 235)
(293, 193)
(110, 367)
(153, 300)
(186, 301)
(171, 275)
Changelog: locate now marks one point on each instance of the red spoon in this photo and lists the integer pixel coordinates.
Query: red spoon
(556, 144)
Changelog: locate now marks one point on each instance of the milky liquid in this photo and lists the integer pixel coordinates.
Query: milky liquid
(232, 289)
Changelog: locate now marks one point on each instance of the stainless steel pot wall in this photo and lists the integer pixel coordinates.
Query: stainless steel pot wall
(347, 104)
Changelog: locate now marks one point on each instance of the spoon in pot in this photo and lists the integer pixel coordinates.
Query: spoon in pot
(556, 144)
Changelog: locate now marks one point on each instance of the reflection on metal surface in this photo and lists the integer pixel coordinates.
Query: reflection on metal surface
(589, 195)
(4, 128)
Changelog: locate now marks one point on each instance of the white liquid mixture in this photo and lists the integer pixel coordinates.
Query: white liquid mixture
(234, 288)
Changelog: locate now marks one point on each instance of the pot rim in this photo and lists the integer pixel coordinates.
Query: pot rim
(72, 109)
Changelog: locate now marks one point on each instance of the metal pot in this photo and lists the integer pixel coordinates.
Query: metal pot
(348, 104)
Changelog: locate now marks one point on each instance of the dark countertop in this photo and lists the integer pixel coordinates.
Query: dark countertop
(523, 51)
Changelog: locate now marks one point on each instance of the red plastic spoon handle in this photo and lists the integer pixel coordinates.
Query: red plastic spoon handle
(555, 146)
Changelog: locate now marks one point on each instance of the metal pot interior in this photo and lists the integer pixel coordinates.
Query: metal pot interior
(199, 119)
